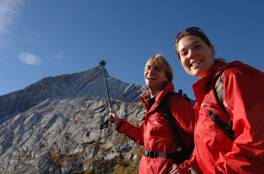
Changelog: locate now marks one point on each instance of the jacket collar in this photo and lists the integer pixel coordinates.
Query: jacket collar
(145, 97)
(200, 88)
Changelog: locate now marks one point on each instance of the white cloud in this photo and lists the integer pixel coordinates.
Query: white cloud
(8, 10)
(29, 58)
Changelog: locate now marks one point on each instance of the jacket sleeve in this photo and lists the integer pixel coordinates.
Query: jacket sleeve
(191, 162)
(133, 132)
(244, 100)
(184, 113)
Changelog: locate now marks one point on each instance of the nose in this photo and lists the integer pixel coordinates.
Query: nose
(150, 69)
(191, 53)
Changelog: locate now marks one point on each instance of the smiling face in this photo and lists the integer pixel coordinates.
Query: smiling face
(195, 55)
(154, 76)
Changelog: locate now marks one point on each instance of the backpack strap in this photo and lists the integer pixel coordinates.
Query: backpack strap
(182, 153)
(174, 126)
(219, 93)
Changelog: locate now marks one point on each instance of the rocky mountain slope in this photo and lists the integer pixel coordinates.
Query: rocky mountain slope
(52, 126)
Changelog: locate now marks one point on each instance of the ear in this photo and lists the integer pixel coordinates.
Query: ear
(213, 50)
(166, 79)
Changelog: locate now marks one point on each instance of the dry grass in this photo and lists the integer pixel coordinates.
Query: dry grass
(114, 166)
(57, 159)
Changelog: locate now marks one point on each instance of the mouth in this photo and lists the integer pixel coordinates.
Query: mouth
(195, 63)
(149, 78)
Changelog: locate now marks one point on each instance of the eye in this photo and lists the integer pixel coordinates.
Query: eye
(157, 68)
(183, 53)
(197, 46)
(147, 67)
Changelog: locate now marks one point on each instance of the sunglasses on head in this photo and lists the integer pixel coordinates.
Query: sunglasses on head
(189, 29)
(196, 29)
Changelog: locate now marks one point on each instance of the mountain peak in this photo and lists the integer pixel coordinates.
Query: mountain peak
(53, 125)
(89, 83)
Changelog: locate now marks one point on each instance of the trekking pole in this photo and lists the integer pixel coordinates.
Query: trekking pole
(102, 64)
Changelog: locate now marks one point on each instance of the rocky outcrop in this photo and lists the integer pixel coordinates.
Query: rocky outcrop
(52, 126)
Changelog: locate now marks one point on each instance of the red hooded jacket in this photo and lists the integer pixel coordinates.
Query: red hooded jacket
(243, 99)
(155, 133)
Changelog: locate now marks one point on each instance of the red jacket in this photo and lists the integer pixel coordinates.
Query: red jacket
(215, 152)
(155, 133)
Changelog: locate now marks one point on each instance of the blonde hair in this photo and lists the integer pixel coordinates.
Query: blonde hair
(161, 61)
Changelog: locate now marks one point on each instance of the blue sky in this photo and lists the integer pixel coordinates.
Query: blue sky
(40, 38)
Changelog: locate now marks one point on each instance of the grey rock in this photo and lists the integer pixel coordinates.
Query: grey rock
(52, 126)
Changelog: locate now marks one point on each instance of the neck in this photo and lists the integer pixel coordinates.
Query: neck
(205, 73)
(153, 93)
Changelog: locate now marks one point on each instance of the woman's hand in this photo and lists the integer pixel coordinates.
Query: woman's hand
(114, 119)
(174, 169)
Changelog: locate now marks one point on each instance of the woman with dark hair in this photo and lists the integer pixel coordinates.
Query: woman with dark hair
(229, 131)
(162, 147)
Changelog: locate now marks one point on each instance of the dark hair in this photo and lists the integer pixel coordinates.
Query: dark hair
(196, 31)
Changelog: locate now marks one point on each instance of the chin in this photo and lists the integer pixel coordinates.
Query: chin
(148, 85)
(192, 72)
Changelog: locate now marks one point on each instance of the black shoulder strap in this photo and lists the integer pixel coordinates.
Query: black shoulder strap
(185, 96)
(167, 114)
(182, 152)
(219, 93)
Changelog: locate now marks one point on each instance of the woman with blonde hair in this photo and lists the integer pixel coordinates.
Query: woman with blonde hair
(162, 147)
